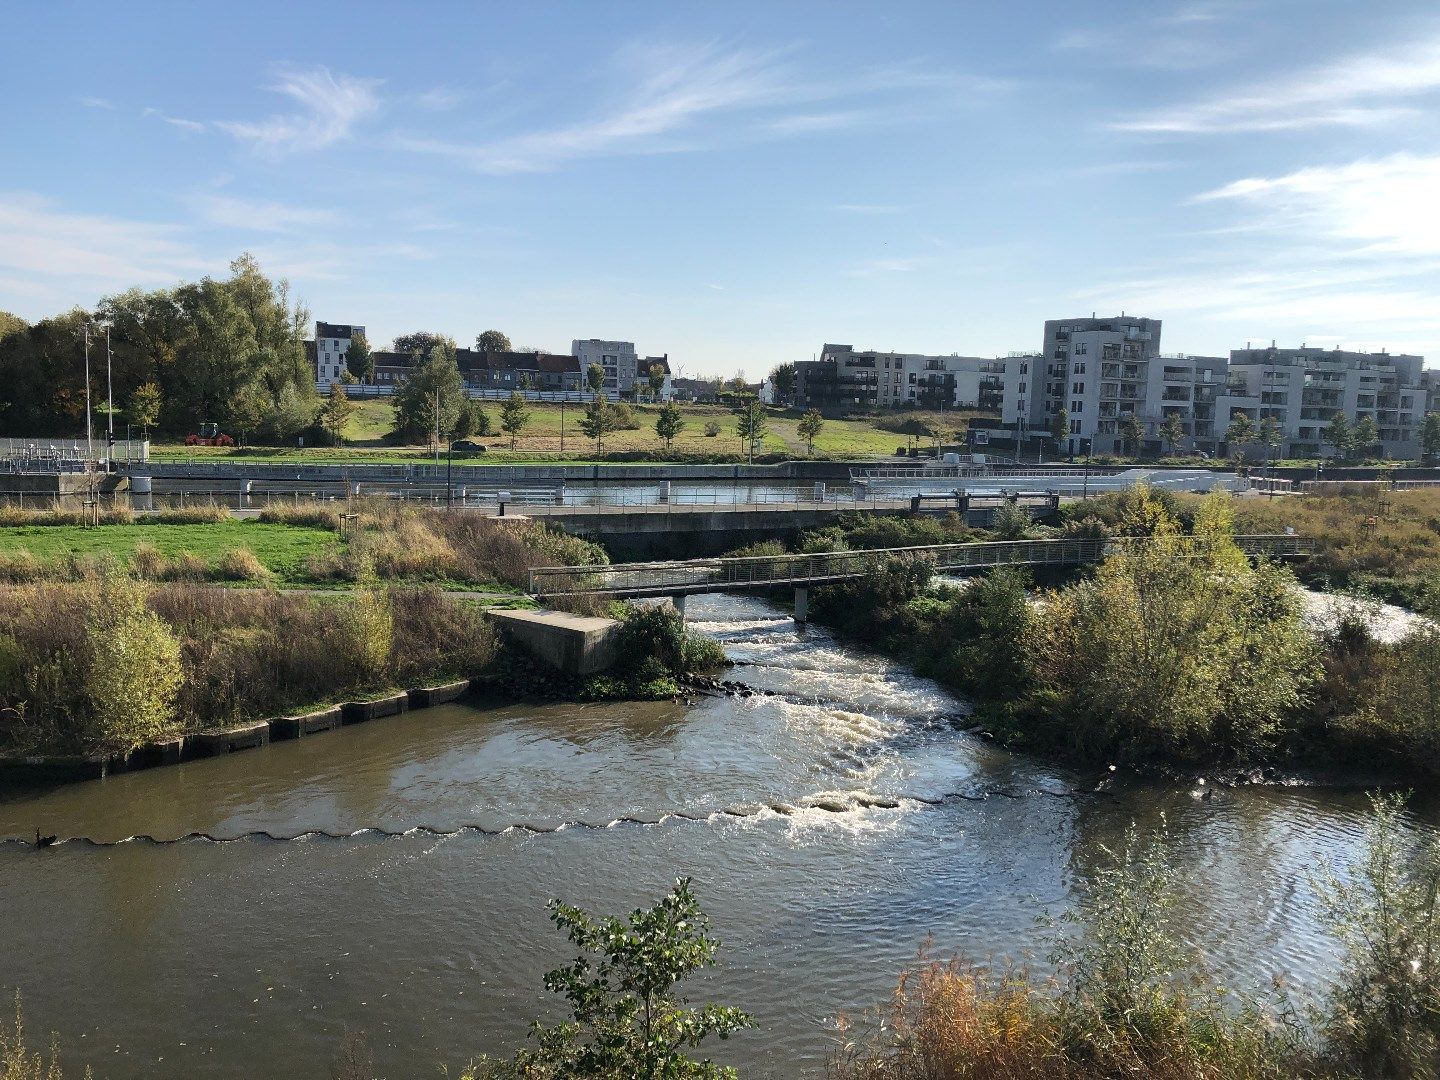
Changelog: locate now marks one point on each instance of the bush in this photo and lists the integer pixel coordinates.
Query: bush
(241, 564)
(624, 417)
(712, 428)
(132, 668)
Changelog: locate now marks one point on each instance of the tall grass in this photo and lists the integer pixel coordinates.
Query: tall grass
(242, 655)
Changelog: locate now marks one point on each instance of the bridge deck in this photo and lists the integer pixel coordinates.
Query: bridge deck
(685, 577)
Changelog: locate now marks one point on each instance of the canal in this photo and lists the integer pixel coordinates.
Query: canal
(255, 957)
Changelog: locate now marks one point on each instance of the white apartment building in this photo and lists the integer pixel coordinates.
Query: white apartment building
(1102, 370)
(1302, 389)
(625, 371)
(332, 342)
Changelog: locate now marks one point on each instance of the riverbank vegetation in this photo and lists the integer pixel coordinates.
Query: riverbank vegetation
(1177, 651)
(290, 544)
(110, 662)
(1129, 999)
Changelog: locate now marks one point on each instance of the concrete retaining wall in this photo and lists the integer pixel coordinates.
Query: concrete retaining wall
(575, 644)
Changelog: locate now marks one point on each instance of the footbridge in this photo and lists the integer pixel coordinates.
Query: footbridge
(681, 578)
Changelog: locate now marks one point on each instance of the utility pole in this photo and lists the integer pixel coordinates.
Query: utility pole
(562, 421)
(89, 426)
(110, 407)
(437, 427)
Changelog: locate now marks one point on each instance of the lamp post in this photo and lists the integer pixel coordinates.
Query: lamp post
(89, 425)
(449, 486)
(1085, 491)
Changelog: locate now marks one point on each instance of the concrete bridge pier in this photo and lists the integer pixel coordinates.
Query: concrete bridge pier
(802, 605)
(678, 603)
(244, 495)
(665, 491)
(354, 489)
(141, 493)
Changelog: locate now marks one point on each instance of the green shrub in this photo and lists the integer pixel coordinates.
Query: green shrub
(132, 668)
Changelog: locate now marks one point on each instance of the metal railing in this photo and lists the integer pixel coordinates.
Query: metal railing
(745, 572)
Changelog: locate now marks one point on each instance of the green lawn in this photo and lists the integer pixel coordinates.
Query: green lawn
(541, 440)
(282, 548)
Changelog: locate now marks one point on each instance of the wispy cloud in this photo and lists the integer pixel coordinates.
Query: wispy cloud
(682, 96)
(1382, 206)
(192, 126)
(94, 251)
(330, 107)
(1188, 35)
(1361, 90)
(96, 102)
(261, 215)
(439, 99)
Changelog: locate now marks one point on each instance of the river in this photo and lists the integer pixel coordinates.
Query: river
(254, 957)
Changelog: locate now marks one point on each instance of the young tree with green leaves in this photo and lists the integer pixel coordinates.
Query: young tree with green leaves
(1133, 432)
(752, 426)
(248, 410)
(292, 411)
(336, 412)
(492, 341)
(433, 381)
(1365, 434)
(1060, 429)
(598, 420)
(669, 423)
(595, 378)
(626, 1019)
(1239, 434)
(514, 417)
(656, 378)
(1339, 435)
(1172, 431)
(359, 360)
(809, 427)
(783, 378)
(144, 408)
(1430, 434)
(1270, 434)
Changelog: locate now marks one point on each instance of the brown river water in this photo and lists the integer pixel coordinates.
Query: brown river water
(254, 957)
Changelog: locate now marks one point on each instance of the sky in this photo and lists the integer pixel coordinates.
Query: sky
(734, 184)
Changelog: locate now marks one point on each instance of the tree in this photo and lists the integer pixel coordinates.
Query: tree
(1364, 435)
(1172, 431)
(783, 379)
(752, 426)
(492, 341)
(657, 380)
(1060, 428)
(914, 430)
(144, 406)
(132, 667)
(248, 410)
(1430, 434)
(595, 378)
(1270, 434)
(290, 413)
(514, 417)
(421, 343)
(359, 360)
(738, 385)
(1239, 434)
(1132, 431)
(336, 412)
(669, 423)
(809, 427)
(626, 1020)
(1339, 435)
(598, 421)
(437, 377)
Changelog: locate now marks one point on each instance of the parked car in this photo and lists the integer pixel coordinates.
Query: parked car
(465, 446)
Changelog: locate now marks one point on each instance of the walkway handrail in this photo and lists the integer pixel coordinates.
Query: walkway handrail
(749, 571)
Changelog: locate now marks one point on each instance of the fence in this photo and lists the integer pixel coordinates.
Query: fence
(719, 575)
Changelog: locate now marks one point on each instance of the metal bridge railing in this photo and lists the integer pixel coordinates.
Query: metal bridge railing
(751, 571)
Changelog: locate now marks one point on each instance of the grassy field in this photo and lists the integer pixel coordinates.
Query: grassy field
(541, 441)
(282, 549)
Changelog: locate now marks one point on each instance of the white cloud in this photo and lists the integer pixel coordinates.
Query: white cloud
(192, 126)
(1362, 90)
(93, 252)
(96, 102)
(1382, 206)
(262, 216)
(331, 106)
(683, 90)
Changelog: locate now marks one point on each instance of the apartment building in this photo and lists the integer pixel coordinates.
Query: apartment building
(490, 370)
(327, 351)
(1302, 389)
(844, 378)
(626, 373)
(1102, 371)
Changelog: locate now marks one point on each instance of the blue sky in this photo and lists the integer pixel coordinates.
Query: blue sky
(736, 183)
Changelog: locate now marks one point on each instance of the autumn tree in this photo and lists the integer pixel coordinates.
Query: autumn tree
(514, 417)
(809, 427)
